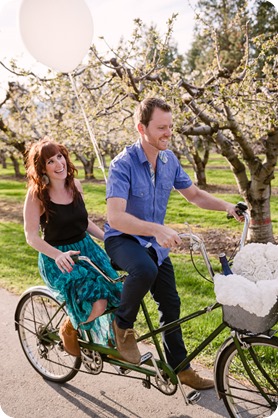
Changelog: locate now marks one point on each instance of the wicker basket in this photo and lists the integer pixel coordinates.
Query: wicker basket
(241, 320)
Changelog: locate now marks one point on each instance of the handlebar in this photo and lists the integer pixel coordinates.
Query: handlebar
(196, 243)
(241, 208)
(77, 258)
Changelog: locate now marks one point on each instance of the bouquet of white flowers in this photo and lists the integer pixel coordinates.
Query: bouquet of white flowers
(250, 295)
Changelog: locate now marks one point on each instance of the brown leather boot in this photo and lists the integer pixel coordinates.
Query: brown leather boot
(68, 336)
(189, 377)
(126, 344)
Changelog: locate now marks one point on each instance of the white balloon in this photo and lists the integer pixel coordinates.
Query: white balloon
(58, 33)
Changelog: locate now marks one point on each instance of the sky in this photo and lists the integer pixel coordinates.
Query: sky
(111, 19)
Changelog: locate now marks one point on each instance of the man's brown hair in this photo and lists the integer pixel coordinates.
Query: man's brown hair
(144, 111)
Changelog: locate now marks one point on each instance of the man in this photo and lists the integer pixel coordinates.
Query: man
(139, 184)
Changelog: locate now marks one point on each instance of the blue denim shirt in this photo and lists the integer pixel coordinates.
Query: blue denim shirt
(130, 178)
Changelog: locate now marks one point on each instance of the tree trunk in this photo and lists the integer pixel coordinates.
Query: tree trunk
(3, 160)
(258, 199)
(200, 173)
(89, 171)
(16, 167)
(197, 154)
(88, 165)
(256, 190)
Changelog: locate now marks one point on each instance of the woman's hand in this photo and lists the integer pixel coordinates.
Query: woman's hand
(65, 262)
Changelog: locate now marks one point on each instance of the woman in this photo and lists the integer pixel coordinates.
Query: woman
(56, 224)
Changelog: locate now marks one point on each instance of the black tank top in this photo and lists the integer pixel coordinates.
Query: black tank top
(67, 224)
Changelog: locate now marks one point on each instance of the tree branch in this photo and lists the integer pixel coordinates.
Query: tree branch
(248, 153)
(237, 166)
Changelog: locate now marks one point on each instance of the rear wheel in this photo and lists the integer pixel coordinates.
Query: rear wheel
(39, 317)
(245, 395)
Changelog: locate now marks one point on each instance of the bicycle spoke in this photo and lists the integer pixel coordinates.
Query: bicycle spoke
(250, 391)
(39, 319)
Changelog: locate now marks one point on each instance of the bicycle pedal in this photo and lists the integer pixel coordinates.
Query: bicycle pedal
(145, 357)
(121, 370)
(146, 383)
(193, 397)
(60, 346)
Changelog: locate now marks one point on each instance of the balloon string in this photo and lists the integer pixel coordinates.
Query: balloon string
(92, 137)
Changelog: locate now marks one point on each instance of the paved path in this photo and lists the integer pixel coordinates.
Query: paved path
(24, 394)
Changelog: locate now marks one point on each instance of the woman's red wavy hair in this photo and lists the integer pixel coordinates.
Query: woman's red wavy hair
(38, 154)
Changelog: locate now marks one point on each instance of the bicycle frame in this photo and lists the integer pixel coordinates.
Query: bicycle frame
(196, 243)
(165, 376)
(150, 366)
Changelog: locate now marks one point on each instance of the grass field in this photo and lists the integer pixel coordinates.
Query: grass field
(18, 262)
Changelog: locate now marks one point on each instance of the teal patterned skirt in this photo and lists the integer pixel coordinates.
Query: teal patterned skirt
(83, 286)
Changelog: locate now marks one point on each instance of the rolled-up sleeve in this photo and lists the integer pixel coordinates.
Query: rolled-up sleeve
(118, 184)
(182, 179)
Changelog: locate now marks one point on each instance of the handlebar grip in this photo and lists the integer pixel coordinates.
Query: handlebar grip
(241, 207)
(75, 258)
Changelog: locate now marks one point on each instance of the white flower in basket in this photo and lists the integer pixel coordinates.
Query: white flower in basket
(254, 284)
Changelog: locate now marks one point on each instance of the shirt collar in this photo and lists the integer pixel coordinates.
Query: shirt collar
(163, 156)
(142, 156)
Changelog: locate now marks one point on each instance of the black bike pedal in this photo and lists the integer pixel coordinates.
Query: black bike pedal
(146, 383)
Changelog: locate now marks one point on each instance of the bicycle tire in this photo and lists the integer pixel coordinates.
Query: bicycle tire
(35, 310)
(239, 393)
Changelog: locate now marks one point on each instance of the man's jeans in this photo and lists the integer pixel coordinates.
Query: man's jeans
(145, 275)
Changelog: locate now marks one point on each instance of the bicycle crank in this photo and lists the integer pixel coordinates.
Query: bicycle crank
(92, 361)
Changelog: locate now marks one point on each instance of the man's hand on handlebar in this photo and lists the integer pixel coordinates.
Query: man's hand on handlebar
(167, 237)
(236, 211)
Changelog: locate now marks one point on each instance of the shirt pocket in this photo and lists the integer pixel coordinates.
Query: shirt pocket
(167, 186)
(140, 192)
(140, 202)
(163, 194)
(165, 189)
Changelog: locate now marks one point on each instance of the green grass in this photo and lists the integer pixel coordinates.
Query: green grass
(193, 215)
(19, 271)
(94, 195)
(8, 172)
(95, 202)
(18, 262)
(13, 190)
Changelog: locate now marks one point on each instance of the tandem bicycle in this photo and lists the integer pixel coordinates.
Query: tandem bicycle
(245, 366)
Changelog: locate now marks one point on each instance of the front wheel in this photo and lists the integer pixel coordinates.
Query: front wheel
(254, 394)
(38, 318)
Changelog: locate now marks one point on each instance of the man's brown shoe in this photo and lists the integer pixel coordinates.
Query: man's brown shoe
(190, 378)
(126, 344)
(69, 338)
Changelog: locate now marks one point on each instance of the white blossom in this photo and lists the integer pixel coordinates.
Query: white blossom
(254, 284)
(255, 260)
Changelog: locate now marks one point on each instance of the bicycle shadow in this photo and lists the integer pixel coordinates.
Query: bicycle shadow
(210, 402)
(95, 407)
(89, 404)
